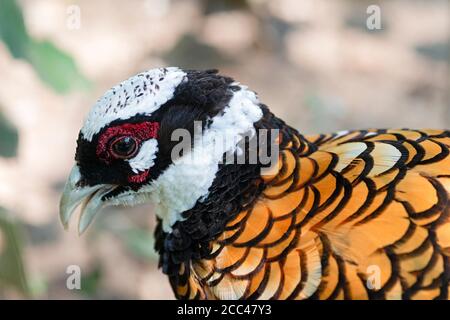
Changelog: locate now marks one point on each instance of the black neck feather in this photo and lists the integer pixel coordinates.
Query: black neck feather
(235, 187)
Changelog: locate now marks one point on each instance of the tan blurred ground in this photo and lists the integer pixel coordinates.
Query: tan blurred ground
(312, 61)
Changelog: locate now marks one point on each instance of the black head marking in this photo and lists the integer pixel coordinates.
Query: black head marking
(204, 95)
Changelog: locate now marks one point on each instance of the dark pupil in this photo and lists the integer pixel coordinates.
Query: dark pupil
(124, 146)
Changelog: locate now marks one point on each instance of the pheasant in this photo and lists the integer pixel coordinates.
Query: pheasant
(351, 215)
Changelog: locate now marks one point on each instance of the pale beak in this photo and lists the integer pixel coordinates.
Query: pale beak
(90, 198)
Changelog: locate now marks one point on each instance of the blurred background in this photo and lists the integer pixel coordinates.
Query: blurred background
(314, 62)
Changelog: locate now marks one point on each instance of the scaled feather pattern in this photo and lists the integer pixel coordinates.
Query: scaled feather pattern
(337, 207)
(351, 215)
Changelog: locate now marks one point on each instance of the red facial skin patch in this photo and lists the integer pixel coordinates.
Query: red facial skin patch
(139, 131)
(139, 178)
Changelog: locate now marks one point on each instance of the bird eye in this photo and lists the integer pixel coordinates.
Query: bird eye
(124, 147)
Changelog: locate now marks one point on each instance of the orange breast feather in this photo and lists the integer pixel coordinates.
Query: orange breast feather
(366, 215)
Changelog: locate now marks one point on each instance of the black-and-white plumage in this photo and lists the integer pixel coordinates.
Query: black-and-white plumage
(330, 208)
(174, 99)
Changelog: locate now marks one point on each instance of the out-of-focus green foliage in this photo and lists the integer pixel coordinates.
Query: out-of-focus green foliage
(12, 271)
(38, 285)
(141, 243)
(12, 28)
(58, 70)
(91, 281)
(54, 67)
(9, 138)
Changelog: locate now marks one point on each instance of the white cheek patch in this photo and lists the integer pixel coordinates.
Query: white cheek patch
(145, 158)
(141, 94)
